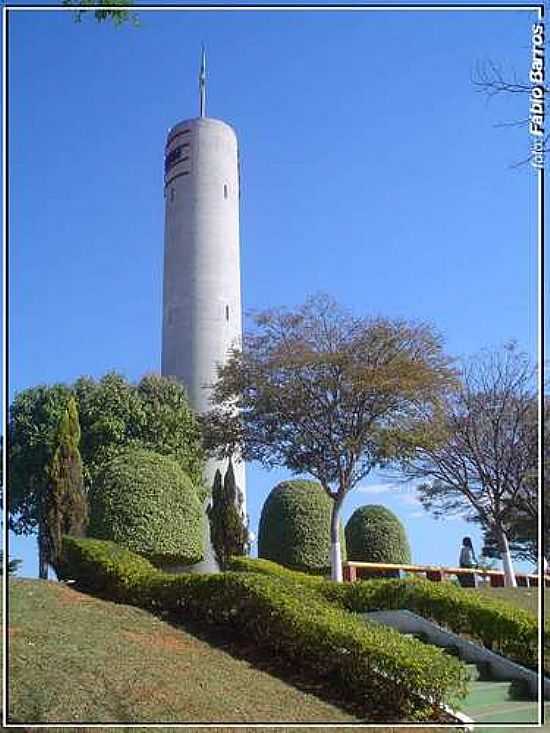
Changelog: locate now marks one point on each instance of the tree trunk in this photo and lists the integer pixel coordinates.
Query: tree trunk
(509, 575)
(335, 550)
(42, 561)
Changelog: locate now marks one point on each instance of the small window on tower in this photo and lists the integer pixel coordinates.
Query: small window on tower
(225, 190)
(226, 312)
(172, 194)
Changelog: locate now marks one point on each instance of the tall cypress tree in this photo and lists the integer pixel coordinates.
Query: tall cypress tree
(228, 531)
(65, 507)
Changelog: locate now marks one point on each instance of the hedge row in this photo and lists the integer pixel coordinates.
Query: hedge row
(510, 631)
(273, 569)
(390, 676)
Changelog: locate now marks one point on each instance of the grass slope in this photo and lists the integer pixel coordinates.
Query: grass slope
(526, 598)
(77, 658)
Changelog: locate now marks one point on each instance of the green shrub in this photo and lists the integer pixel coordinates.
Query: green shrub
(507, 630)
(105, 568)
(375, 534)
(295, 527)
(391, 676)
(146, 503)
(513, 632)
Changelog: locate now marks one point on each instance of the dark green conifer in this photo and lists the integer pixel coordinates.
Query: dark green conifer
(65, 507)
(228, 531)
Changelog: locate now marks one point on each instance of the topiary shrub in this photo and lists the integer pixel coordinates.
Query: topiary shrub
(146, 503)
(375, 534)
(295, 527)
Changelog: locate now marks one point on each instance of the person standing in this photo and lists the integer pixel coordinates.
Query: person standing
(467, 559)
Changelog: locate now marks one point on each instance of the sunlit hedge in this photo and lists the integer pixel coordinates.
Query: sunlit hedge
(392, 677)
(505, 629)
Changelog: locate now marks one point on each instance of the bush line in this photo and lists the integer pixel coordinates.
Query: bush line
(512, 632)
(392, 677)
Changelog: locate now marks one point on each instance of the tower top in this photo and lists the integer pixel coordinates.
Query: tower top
(202, 83)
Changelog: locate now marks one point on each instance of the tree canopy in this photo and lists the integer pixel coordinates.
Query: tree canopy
(114, 415)
(485, 468)
(323, 392)
(103, 10)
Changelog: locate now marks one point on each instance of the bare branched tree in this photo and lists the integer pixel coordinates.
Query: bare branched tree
(489, 79)
(328, 394)
(485, 469)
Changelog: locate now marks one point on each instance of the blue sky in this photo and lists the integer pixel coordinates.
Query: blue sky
(370, 169)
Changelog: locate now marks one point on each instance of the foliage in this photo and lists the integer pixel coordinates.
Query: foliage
(521, 518)
(405, 679)
(268, 567)
(34, 418)
(522, 533)
(13, 564)
(114, 415)
(510, 631)
(145, 502)
(65, 506)
(294, 527)
(153, 414)
(105, 10)
(328, 394)
(228, 532)
(375, 534)
(484, 469)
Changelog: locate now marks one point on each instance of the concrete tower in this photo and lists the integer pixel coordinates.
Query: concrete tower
(202, 281)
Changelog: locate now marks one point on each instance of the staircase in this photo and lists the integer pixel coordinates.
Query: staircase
(491, 701)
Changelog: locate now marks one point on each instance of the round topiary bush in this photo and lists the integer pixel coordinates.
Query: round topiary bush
(295, 527)
(146, 503)
(375, 534)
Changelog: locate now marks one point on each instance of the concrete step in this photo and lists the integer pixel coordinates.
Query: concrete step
(485, 695)
(492, 701)
(511, 712)
(499, 702)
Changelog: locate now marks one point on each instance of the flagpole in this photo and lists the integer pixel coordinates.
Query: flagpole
(202, 83)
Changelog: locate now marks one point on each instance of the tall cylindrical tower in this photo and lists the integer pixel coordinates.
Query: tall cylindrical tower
(202, 288)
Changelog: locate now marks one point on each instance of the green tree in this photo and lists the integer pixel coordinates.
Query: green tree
(64, 504)
(34, 420)
(114, 415)
(228, 531)
(325, 393)
(105, 10)
(154, 415)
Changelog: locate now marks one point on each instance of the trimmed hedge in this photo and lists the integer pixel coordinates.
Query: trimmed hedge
(391, 676)
(146, 503)
(295, 527)
(273, 569)
(375, 534)
(512, 632)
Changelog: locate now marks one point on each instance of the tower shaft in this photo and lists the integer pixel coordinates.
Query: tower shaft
(202, 289)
